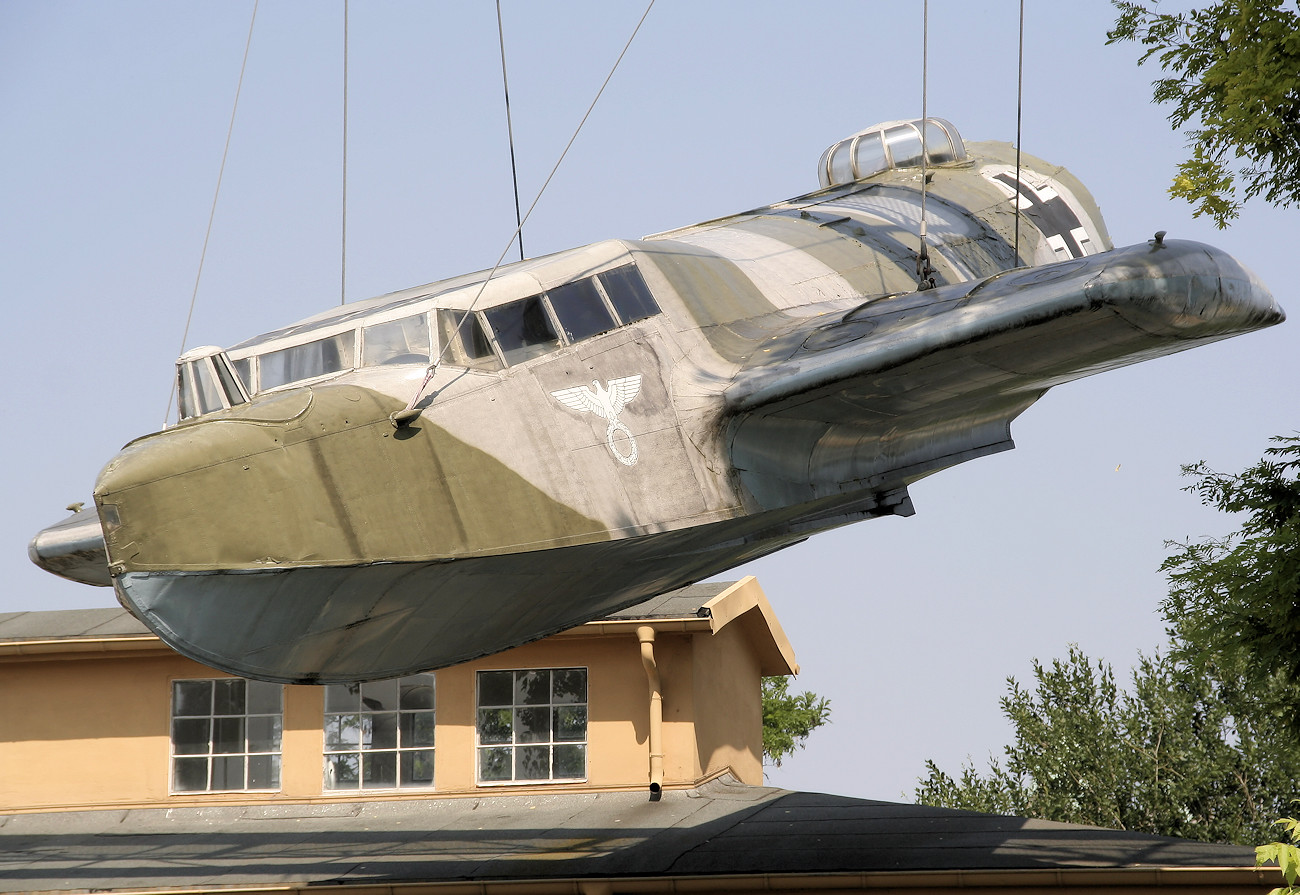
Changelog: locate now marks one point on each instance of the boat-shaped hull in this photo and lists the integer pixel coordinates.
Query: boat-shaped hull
(313, 625)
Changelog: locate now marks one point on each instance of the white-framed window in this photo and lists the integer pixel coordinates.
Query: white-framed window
(532, 725)
(379, 734)
(226, 735)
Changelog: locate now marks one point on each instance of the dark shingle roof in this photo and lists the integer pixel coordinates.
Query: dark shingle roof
(685, 602)
(69, 623)
(721, 828)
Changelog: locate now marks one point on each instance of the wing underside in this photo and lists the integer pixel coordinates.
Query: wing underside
(906, 385)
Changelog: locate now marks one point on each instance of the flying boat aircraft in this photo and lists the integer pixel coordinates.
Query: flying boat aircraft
(415, 480)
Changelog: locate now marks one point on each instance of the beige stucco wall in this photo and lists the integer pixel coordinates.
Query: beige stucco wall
(83, 733)
(728, 716)
(92, 730)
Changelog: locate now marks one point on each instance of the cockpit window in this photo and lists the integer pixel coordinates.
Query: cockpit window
(904, 144)
(205, 382)
(185, 391)
(404, 341)
(628, 293)
(581, 310)
(842, 163)
(869, 155)
(228, 385)
(487, 339)
(939, 146)
(244, 368)
(206, 387)
(465, 342)
(298, 362)
(523, 329)
(895, 144)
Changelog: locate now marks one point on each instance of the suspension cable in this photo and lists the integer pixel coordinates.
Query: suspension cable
(510, 132)
(239, 86)
(343, 248)
(405, 415)
(924, 273)
(1020, 82)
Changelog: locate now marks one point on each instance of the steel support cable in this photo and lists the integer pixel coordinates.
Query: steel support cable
(213, 212)
(1020, 81)
(924, 273)
(343, 248)
(510, 131)
(406, 414)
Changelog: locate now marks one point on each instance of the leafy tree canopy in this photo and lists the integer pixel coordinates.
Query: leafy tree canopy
(1183, 753)
(1205, 743)
(1235, 602)
(789, 718)
(1233, 77)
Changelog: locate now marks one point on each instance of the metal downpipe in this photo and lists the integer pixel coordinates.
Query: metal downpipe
(646, 635)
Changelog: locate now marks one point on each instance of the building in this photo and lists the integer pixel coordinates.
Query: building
(103, 715)
(623, 755)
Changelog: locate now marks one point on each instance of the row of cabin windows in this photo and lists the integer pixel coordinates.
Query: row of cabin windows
(490, 339)
(531, 726)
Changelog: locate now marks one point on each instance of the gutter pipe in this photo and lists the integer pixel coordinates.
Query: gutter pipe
(646, 635)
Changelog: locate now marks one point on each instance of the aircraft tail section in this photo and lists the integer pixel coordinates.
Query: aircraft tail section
(908, 384)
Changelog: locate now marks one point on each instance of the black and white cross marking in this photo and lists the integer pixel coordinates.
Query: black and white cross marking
(1052, 215)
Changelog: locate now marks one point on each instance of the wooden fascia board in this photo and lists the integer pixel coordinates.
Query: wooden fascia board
(746, 600)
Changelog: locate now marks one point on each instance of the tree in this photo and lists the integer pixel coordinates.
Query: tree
(1234, 602)
(789, 718)
(1205, 744)
(1185, 753)
(1286, 855)
(1234, 82)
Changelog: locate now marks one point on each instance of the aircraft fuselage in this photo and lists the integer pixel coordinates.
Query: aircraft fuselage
(615, 421)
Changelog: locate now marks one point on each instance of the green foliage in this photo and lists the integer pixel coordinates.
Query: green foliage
(1204, 743)
(1235, 602)
(1285, 855)
(789, 718)
(1184, 752)
(1233, 68)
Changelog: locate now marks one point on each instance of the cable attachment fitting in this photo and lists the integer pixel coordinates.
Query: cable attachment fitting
(408, 413)
(924, 272)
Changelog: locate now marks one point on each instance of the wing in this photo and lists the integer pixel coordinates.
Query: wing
(908, 384)
(581, 399)
(622, 391)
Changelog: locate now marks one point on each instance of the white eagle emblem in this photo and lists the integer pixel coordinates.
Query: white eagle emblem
(606, 402)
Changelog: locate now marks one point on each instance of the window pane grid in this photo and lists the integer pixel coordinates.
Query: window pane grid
(225, 735)
(379, 734)
(532, 725)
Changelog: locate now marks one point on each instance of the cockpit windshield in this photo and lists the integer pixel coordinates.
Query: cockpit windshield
(206, 382)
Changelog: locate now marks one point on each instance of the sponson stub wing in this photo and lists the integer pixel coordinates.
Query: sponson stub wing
(904, 385)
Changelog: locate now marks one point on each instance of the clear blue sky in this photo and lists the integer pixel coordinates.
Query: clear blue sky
(114, 118)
